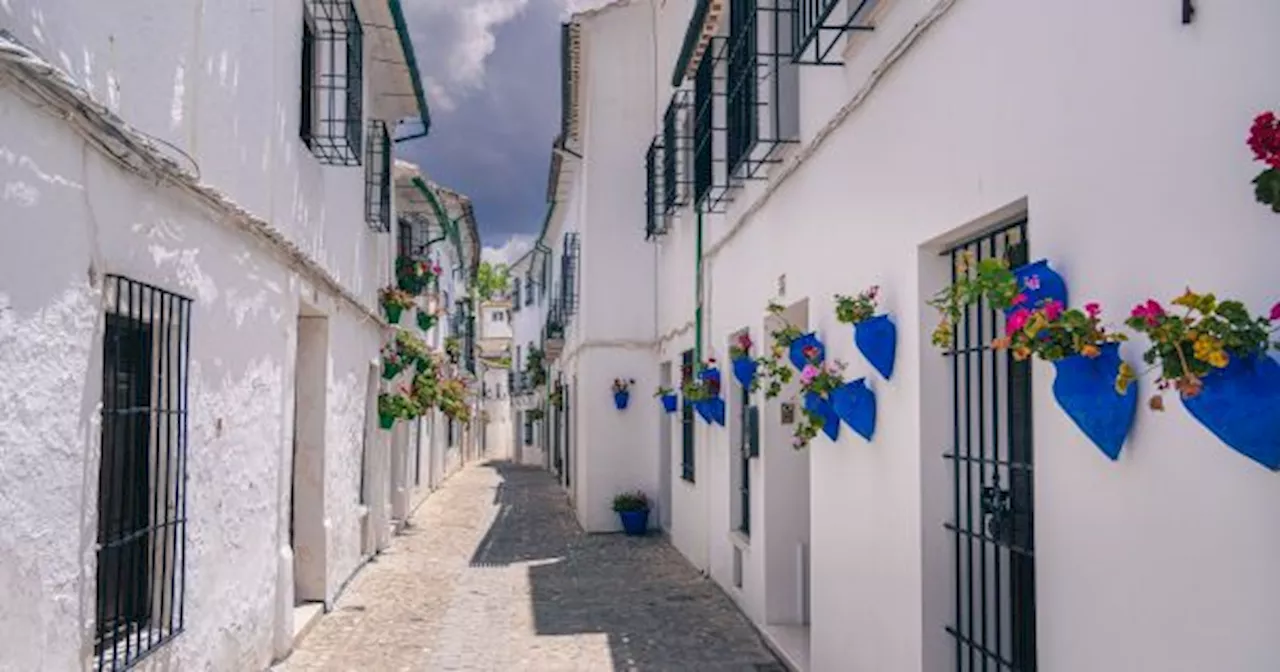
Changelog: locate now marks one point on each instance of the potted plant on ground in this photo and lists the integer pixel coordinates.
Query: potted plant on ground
(633, 510)
(875, 335)
(744, 367)
(622, 392)
(394, 301)
(668, 396)
(1215, 354)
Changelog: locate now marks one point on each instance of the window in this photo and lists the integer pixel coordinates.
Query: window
(528, 428)
(528, 290)
(817, 29)
(569, 275)
(377, 178)
(331, 115)
(686, 420)
(142, 475)
(515, 295)
(704, 113)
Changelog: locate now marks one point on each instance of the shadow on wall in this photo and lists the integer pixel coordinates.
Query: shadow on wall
(657, 611)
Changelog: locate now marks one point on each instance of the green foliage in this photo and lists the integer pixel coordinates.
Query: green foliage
(855, 309)
(398, 405)
(990, 279)
(492, 280)
(631, 501)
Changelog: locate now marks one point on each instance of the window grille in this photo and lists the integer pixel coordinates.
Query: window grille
(528, 428)
(654, 222)
(703, 128)
(528, 290)
(332, 106)
(569, 275)
(748, 447)
(142, 511)
(762, 88)
(992, 522)
(816, 33)
(515, 295)
(677, 143)
(377, 178)
(686, 420)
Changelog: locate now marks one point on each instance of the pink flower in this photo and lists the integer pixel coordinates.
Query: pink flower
(1019, 299)
(1093, 309)
(1017, 321)
(1053, 310)
(1275, 312)
(1032, 283)
(810, 352)
(808, 374)
(1149, 311)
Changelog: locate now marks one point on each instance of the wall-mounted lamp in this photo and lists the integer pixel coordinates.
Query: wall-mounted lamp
(1188, 11)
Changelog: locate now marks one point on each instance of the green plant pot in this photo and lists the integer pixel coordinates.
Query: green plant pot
(390, 371)
(393, 313)
(426, 321)
(386, 421)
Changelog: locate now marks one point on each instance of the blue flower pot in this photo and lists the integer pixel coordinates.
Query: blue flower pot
(796, 351)
(669, 402)
(1050, 285)
(877, 339)
(855, 403)
(814, 403)
(703, 409)
(715, 409)
(1086, 391)
(1241, 406)
(620, 399)
(744, 369)
(635, 523)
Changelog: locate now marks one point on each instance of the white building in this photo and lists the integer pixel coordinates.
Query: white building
(493, 352)
(1109, 137)
(197, 216)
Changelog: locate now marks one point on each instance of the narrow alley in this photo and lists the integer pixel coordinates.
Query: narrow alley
(495, 574)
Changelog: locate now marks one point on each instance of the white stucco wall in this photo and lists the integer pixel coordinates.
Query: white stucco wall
(995, 108)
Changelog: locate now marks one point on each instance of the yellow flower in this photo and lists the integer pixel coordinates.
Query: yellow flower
(1219, 359)
(1090, 351)
(1209, 350)
(1125, 378)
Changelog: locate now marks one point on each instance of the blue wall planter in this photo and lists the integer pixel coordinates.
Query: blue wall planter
(635, 523)
(669, 402)
(855, 403)
(620, 399)
(1241, 405)
(715, 408)
(814, 403)
(744, 369)
(1040, 283)
(702, 410)
(1085, 390)
(877, 339)
(796, 352)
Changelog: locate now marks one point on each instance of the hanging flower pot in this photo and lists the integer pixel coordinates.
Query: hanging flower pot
(669, 402)
(393, 313)
(1240, 404)
(877, 339)
(814, 403)
(855, 403)
(1038, 283)
(704, 410)
(1085, 390)
(386, 421)
(621, 399)
(798, 347)
(391, 369)
(744, 369)
(715, 409)
(425, 320)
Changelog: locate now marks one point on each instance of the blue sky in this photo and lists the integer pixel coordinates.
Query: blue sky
(491, 69)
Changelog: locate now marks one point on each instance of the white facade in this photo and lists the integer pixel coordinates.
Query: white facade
(162, 145)
(1093, 121)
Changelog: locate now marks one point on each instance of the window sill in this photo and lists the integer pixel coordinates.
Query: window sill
(740, 540)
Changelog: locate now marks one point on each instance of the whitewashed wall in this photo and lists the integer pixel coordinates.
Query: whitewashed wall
(1121, 132)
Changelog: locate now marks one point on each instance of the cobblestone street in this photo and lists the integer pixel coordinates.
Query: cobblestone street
(495, 574)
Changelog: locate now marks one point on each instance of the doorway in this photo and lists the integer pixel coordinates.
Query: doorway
(664, 454)
(306, 514)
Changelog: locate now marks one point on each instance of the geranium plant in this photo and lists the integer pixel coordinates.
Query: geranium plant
(452, 399)
(535, 366)
(394, 301)
(975, 280)
(413, 275)
(622, 385)
(426, 389)
(694, 389)
(1052, 332)
(663, 391)
(786, 332)
(1202, 338)
(557, 397)
(740, 348)
(411, 348)
(453, 348)
(774, 374)
(855, 309)
(1264, 140)
(393, 362)
(393, 405)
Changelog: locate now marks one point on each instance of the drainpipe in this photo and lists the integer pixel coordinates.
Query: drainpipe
(697, 310)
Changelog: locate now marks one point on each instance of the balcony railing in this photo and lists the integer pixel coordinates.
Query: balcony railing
(816, 33)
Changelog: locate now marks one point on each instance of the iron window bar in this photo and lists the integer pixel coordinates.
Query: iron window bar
(654, 222)
(677, 159)
(377, 178)
(569, 275)
(815, 33)
(142, 497)
(762, 88)
(992, 524)
(332, 115)
(687, 470)
(711, 188)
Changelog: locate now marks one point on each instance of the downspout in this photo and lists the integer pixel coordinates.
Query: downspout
(697, 310)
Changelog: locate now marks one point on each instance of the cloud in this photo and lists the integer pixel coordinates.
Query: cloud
(458, 37)
(574, 6)
(510, 251)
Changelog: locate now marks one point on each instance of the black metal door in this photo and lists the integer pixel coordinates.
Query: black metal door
(568, 436)
(748, 444)
(994, 624)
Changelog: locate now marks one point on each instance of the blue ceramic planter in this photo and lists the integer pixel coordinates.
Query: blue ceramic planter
(1040, 283)
(877, 339)
(855, 403)
(796, 352)
(703, 410)
(1241, 405)
(620, 399)
(669, 402)
(715, 409)
(1085, 390)
(635, 523)
(744, 369)
(814, 403)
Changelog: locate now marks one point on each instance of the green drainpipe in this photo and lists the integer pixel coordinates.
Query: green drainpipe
(697, 310)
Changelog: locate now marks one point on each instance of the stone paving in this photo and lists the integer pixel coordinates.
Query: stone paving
(494, 573)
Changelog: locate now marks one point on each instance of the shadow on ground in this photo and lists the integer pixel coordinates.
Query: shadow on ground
(657, 611)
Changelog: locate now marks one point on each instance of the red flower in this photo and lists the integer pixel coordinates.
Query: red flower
(810, 352)
(1151, 312)
(1264, 139)
(1275, 312)
(1093, 309)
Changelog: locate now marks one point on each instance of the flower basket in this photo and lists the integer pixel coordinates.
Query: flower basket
(877, 340)
(855, 404)
(386, 421)
(1240, 404)
(391, 370)
(814, 403)
(621, 399)
(425, 320)
(1039, 283)
(1085, 390)
(796, 350)
(744, 369)
(393, 313)
(669, 402)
